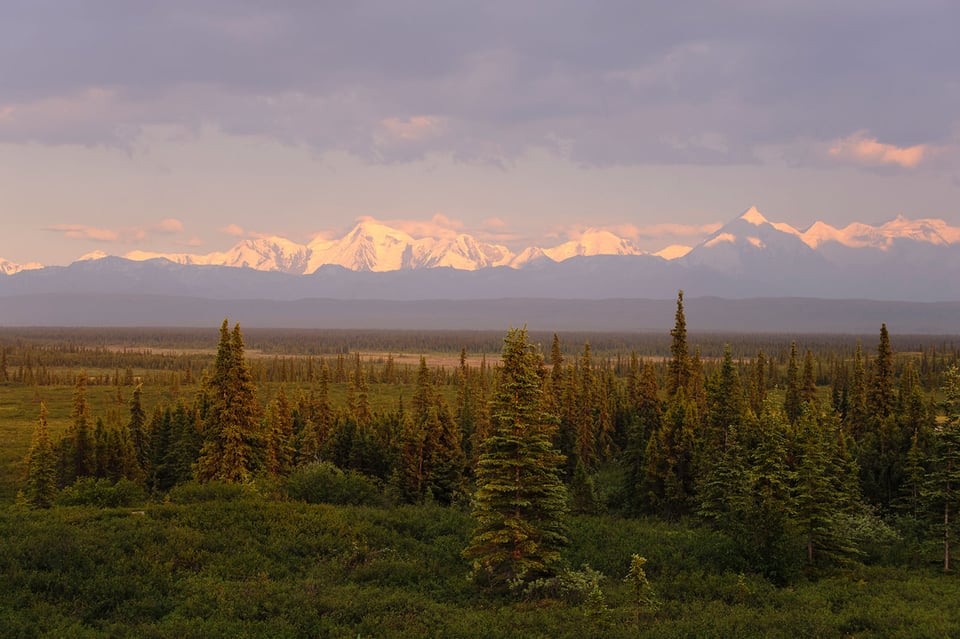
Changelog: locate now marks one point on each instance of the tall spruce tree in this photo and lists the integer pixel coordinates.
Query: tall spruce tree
(678, 369)
(77, 450)
(857, 412)
(646, 417)
(882, 392)
(137, 426)
(942, 487)
(669, 459)
(808, 381)
(792, 398)
(279, 433)
(758, 383)
(231, 434)
(520, 502)
(41, 466)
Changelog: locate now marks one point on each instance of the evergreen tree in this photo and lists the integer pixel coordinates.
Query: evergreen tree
(697, 392)
(41, 466)
(137, 427)
(857, 414)
(279, 433)
(820, 494)
(758, 383)
(678, 369)
(808, 381)
(646, 419)
(793, 399)
(232, 429)
(77, 448)
(942, 489)
(669, 459)
(319, 419)
(882, 393)
(360, 392)
(725, 407)
(586, 448)
(447, 461)
(520, 502)
(101, 451)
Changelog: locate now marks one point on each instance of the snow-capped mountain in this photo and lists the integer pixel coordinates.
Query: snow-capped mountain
(883, 237)
(262, 254)
(752, 244)
(750, 247)
(593, 242)
(9, 268)
(372, 246)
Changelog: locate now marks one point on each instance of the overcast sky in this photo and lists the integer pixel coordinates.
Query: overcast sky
(184, 124)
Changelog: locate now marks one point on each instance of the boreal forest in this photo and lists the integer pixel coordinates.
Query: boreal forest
(270, 483)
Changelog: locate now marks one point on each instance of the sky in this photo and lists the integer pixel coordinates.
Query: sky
(185, 125)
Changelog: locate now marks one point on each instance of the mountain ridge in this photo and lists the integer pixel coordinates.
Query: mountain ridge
(377, 247)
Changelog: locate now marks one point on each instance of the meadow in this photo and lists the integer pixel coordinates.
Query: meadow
(327, 552)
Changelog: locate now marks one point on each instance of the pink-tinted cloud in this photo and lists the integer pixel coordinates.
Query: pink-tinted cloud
(665, 231)
(438, 226)
(128, 234)
(860, 148)
(168, 225)
(417, 127)
(234, 230)
(82, 232)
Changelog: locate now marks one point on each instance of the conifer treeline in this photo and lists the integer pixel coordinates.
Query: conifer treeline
(761, 448)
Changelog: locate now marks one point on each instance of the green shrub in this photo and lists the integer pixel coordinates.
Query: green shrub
(324, 483)
(195, 493)
(101, 493)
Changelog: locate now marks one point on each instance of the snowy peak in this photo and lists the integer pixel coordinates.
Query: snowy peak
(370, 246)
(883, 237)
(753, 216)
(593, 242)
(674, 251)
(268, 254)
(462, 252)
(9, 268)
(736, 247)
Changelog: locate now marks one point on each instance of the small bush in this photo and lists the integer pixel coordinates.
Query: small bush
(195, 493)
(101, 493)
(324, 483)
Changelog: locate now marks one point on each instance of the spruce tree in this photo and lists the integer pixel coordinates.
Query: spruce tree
(646, 419)
(318, 420)
(669, 459)
(678, 369)
(857, 413)
(231, 433)
(793, 399)
(137, 426)
(882, 392)
(586, 447)
(725, 407)
(808, 381)
(942, 488)
(41, 466)
(279, 433)
(520, 502)
(77, 448)
(758, 383)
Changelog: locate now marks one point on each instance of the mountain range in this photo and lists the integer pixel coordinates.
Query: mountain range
(750, 257)
(372, 246)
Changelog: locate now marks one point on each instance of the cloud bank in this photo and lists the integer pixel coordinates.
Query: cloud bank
(604, 85)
